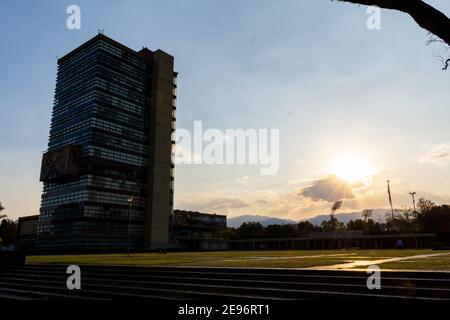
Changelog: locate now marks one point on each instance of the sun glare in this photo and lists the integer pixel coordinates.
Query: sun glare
(351, 167)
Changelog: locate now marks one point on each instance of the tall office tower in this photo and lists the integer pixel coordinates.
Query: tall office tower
(108, 170)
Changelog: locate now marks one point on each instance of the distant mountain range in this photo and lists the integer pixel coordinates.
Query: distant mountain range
(378, 215)
(264, 220)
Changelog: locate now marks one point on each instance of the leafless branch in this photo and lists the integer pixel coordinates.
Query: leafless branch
(426, 16)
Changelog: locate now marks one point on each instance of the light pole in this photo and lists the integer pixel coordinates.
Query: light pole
(336, 206)
(130, 202)
(390, 201)
(413, 195)
(366, 214)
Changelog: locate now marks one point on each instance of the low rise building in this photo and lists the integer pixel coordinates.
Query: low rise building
(199, 231)
(26, 232)
(189, 230)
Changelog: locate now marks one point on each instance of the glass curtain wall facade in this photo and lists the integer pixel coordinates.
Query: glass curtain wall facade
(97, 171)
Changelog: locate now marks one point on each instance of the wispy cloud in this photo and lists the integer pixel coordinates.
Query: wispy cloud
(439, 155)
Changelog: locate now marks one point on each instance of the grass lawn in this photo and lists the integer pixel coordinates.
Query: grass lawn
(263, 259)
(432, 263)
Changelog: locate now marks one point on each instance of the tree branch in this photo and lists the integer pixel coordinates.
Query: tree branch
(445, 63)
(425, 15)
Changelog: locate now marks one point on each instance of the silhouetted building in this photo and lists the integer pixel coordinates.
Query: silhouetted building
(109, 150)
(196, 230)
(337, 240)
(26, 232)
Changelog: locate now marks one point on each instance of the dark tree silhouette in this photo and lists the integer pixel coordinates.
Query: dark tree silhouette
(426, 16)
(1, 209)
(332, 225)
(357, 224)
(8, 231)
(249, 230)
(305, 227)
(280, 231)
(436, 219)
(425, 205)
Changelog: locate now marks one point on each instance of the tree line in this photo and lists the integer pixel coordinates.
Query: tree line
(8, 229)
(428, 217)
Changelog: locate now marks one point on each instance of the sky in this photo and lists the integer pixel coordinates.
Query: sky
(347, 100)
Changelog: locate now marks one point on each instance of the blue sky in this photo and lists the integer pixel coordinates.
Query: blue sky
(310, 68)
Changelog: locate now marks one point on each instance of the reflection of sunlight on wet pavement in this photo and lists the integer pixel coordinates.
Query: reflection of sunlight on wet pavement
(364, 263)
(361, 263)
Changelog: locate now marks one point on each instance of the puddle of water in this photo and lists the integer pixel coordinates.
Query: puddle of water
(365, 263)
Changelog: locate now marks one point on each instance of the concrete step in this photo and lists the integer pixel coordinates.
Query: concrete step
(245, 289)
(162, 291)
(104, 282)
(258, 271)
(148, 280)
(322, 277)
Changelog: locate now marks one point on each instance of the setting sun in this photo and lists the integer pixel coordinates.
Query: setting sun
(351, 167)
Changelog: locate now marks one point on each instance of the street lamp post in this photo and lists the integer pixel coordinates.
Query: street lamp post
(130, 202)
